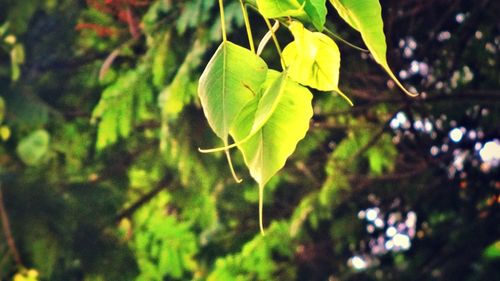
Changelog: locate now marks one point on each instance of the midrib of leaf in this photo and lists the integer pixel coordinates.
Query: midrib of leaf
(226, 126)
(317, 66)
(224, 67)
(257, 126)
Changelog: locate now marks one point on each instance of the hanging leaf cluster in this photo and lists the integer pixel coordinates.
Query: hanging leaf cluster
(267, 112)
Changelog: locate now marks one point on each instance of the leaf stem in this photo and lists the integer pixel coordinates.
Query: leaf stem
(247, 26)
(8, 233)
(275, 39)
(331, 33)
(222, 21)
(266, 38)
(230, 162)
(222, 148)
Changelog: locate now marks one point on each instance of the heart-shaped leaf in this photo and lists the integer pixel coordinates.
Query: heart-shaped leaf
(231, 79)
(266, 152)
(366, 17)
(266, 104)
(313, 59)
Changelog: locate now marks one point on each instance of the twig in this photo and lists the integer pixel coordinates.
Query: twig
(127, 212)
(482, 96)
(4, 254)
(375, 138)
(7, 231)
(108, 62)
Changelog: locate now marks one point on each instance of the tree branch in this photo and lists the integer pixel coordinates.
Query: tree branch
(129, 211)
(375, 137)
(7, 231)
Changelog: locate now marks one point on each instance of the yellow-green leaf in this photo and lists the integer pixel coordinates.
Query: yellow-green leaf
(366, 17)
(281, 8)
(266, 152)
(310, 11)
(316, 10)
(230, 80)
(313, 59)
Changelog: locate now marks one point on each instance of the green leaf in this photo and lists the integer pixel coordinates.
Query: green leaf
(122, 104)
(366, 17)
(316, 10)
(311, 11)
(266, 152)
(313, 59)
(230, 80)
(266, 105)
(32, 148)
(281, 8)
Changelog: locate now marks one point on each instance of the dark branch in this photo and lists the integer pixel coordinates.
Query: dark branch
(7, 232)
(128, 212)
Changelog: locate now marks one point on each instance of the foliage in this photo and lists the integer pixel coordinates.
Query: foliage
(104, 105)
(312, 59)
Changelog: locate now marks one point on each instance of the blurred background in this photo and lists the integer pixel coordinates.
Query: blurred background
(101, 179)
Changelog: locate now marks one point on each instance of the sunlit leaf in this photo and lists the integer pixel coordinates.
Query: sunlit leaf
(230, 80)
(316, 10)
(313, 59)
(266, 152)
(281, 8)
(310, 11)
(366, 17)
(267, 103)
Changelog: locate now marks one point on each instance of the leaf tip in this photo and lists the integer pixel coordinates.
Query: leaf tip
(346, 98)
(398, 83)
(261, 203)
